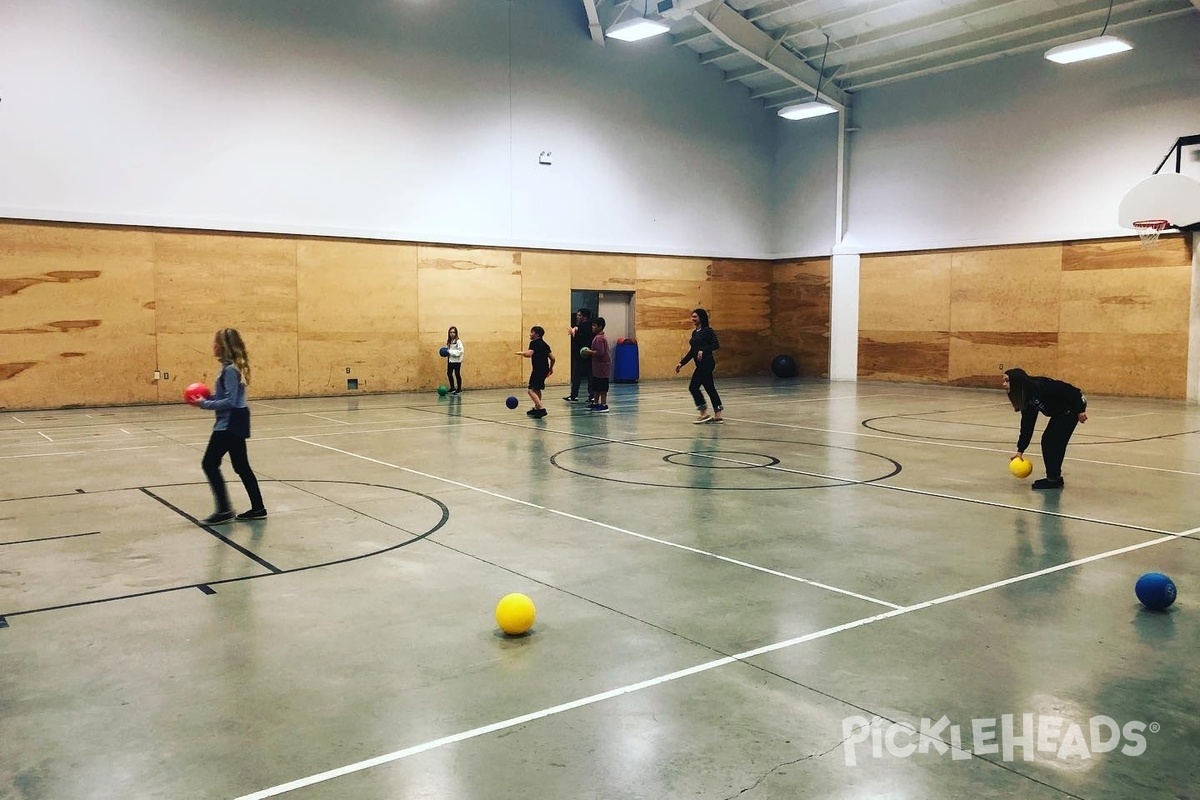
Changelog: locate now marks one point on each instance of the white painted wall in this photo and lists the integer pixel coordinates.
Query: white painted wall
(423, 121)
(417, 121)
(805, 186)
(1019, 149)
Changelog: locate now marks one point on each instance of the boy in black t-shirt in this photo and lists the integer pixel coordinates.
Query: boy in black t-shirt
(542, 367)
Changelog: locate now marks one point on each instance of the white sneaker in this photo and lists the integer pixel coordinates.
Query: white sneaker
(703, 418)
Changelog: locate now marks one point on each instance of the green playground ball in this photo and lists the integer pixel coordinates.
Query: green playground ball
(442, 390)
(583, 352)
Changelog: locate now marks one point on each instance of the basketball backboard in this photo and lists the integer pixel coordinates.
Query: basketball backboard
(1171, 193)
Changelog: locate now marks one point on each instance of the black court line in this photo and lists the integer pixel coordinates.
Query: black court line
(717, 455)
(262, 562)
(50, 538)
(166, 590)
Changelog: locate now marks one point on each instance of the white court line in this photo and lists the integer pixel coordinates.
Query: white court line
(727, 559)
(44, 436)
(18, 420)
(606, 526)
(82, 452)
(328, 419)
(707, 666)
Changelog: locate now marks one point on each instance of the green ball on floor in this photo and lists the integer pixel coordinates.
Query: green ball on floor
(442, 390)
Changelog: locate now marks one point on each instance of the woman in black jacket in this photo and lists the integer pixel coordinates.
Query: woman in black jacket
(701, 347)
(1064, 404)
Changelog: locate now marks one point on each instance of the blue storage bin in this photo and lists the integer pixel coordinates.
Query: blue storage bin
(625, 362)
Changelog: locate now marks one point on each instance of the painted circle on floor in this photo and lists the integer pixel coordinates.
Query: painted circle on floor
(724, 463)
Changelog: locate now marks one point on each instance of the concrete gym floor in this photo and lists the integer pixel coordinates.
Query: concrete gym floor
(722, 609)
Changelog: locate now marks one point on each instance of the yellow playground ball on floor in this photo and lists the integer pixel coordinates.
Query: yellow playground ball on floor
(1021, 467)
(515, 614)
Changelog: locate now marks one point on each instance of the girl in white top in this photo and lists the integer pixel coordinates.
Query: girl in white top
(454, 346)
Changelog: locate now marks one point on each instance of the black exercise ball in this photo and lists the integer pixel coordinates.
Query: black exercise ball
(783, 367)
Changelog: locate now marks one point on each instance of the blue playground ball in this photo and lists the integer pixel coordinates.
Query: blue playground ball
(445, 351)
(1155, 590)
(512, 402)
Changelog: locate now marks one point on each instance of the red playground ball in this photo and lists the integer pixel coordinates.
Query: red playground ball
(511, 402)
(195, 392)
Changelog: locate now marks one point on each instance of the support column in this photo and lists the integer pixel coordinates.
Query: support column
(1193, 357)
(843, 317)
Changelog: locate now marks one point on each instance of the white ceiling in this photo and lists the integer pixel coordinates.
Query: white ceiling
(775, 47)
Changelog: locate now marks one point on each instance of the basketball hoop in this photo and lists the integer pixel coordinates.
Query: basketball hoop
(1149, 229)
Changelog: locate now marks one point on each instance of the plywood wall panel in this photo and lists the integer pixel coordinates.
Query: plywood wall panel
(916, 356)
(1172, 250)
(76, 316)
(611, 272)
(800, 313)
(363, 287)
(273, 363)
(546, 301)
(673, 270)
(659, 351)
(743, 271)
(743, 306)
(976, 356)
(209, 281)
(743, 353)
(905, 293)
(1143, 365)
(664, 304)
(1006, 289)
(1122, 301)
(477, 290)
(379, 363)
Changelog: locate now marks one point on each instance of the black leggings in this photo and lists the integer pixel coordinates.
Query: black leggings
(581, 372)
(220, 443)
(1054, 442)
(703, 377)
(453, 374)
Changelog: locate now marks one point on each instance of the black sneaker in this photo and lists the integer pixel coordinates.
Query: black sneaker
(254, 513)
(531, 412)
(219, 518)
(571, 399)
(1048, 483)
(540, 412)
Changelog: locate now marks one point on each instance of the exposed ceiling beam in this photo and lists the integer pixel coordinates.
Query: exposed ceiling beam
(748, 72)
(905, 73)
(964, 48)
(743, 36)
(1022, 29)
(593, 18)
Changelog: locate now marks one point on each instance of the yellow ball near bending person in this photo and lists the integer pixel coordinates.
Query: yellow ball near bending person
(1020, 467)
(515, 614)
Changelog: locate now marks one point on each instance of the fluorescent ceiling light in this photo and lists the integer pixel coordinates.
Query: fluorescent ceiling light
(1088, 48)
(631, 30)
(813, 108)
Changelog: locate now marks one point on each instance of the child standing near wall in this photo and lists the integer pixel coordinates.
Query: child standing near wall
(454, 358)
(601, 366)
(541, 367)
(231, 429)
